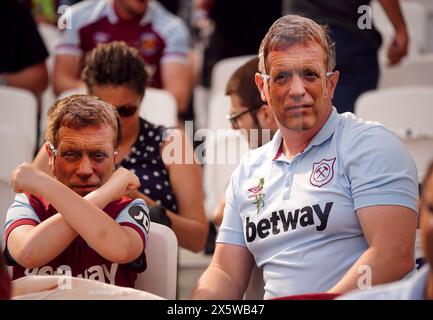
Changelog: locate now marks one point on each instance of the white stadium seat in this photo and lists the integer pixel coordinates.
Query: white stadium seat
(160, 277)
(222, 71)
(412, 72)
(407, 112)
(18, 120)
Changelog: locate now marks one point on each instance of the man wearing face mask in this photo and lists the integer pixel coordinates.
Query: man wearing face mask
(325, 200)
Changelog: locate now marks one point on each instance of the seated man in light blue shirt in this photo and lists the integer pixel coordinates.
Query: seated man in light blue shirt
(419, 286)
(329, 197)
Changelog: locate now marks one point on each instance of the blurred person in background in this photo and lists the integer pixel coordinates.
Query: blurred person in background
(23, 52)
(247, 112)
(162, 39)
(356, 45)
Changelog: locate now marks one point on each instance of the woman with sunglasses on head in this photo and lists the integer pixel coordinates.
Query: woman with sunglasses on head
(116, 73)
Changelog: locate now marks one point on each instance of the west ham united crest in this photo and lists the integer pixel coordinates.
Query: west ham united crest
(149, 44)
(323, 172)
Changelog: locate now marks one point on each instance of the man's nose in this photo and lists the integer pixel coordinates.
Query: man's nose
(297, 88)
(85, 167)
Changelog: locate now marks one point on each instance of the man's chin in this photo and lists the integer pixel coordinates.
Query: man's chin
(302, 127)
(83, 191)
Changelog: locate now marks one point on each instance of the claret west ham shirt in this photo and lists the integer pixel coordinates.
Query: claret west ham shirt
(159, 36)
(79, 259)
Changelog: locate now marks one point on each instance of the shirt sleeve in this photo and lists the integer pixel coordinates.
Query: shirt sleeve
(177, 43)
(136, 216)
(69, 43)
(231, 230)
(20, 213)
(381, 170)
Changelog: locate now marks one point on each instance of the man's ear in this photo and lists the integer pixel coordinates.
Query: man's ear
(260, 83)
(50, 154)
(266, 118)
(116, 154)
(333, 80)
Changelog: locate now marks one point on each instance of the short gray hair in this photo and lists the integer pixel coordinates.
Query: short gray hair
(293, 29)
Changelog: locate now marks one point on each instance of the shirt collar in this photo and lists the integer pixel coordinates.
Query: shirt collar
(323, 135)
(111, 13)
(147, 15)
(276, 146)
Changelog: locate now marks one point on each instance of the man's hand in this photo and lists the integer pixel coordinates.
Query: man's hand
(121, 183)
(398, 48)
(26, 177)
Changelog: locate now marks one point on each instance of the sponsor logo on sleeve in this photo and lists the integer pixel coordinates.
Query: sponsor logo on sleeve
(141, 216)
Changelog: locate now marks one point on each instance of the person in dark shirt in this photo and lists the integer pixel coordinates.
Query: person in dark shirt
(22, 53)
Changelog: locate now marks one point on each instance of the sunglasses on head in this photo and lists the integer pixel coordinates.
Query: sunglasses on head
(126, 110)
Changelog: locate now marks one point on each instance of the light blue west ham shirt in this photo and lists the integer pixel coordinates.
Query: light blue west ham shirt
(298, 217)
